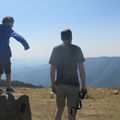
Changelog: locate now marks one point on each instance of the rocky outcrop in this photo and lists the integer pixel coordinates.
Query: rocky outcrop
(14, 107)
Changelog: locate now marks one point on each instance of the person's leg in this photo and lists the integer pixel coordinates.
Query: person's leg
(1, 69)
(60, 100)
(71, 114)
(8, 83)
(0, 76)
(8, 80)
(72, 99)
(1, 72)
(59, 113)
(7, 70)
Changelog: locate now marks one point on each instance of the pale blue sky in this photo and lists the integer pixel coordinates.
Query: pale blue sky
(95, 25)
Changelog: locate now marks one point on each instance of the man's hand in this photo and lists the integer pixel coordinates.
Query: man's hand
(26, 48)
(84, 90)
(53, 87)
(83, 93)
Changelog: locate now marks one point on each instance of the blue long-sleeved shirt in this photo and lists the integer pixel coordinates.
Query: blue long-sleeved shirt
(5, 33)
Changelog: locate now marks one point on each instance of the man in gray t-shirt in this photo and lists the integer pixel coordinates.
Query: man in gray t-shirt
(66, 59)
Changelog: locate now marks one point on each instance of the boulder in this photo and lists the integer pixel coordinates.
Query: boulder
(14, 107)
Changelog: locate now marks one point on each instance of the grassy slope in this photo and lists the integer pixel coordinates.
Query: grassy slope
(104, 106)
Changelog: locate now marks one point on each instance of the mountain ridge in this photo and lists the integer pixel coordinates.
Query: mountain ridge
(100, 72)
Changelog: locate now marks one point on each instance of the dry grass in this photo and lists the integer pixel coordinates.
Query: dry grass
(103, 106)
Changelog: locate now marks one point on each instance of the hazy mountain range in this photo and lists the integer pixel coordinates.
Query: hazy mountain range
(103, 71)
(100, 72)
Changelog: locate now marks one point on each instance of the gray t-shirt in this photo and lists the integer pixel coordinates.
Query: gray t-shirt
(65, 58)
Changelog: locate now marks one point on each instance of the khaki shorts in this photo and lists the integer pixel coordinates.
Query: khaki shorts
(67, 93)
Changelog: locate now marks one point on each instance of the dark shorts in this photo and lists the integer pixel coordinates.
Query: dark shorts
(5, 66)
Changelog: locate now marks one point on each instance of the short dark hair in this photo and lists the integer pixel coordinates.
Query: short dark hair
(66, 34)
(7, 19)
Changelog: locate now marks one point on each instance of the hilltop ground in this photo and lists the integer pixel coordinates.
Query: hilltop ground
(103, 104)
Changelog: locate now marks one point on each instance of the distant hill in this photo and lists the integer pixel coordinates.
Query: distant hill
(103, 71)
(100, 72)
(38, 75)
(19, 84)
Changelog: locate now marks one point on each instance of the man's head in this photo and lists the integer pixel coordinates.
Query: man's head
(8, 21)
(66, 36)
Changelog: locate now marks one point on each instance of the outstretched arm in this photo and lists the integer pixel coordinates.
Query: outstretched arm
(20, 39)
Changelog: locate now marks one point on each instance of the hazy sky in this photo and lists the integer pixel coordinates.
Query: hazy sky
(95, 25)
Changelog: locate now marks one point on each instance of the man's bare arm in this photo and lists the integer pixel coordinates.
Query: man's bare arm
(52, 76)
(82, 75)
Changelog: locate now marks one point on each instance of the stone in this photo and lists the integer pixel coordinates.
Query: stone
(14, 107)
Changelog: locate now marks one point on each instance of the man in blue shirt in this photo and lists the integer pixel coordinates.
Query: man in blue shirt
(6, 32)
(66, 60)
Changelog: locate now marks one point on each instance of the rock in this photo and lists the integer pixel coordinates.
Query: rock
(89, 97)
(115, 92)
(14, 107)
